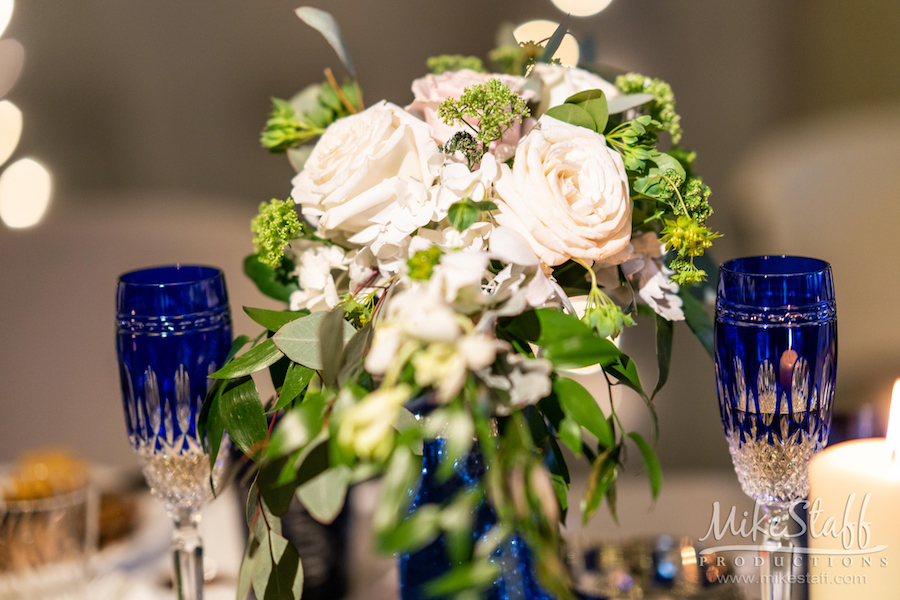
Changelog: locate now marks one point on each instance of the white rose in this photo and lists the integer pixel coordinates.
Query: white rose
(567, 194)
(369, 176)
(559, 82)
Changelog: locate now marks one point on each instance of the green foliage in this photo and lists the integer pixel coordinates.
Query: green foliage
(689, 239)
(488, 109)
(324, 495)
(276, 225)
(278, 283)
(464, 142)
(579, 406)
(256, 359)
(241, 410)
(663, 108)
(516, 59)
(323, 22)
(651, 463)
(699, 321)
(299, 339)
(466, 212)
(421, 264)
(555, 40)
(454, 62)
(636, 141)
(607, 320)
(664, 333)
(273, 320)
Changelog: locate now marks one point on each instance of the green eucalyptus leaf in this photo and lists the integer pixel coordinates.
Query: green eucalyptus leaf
(255, 359)
(215, 429)
(573, 115)
(354, 354)
(273, 320)
(299, 339)
(278, 496)
(463, 214)
(555, 40)
(402, 472)
(331, 344)
(325, 24)
(664, 333)
(295, 381)
(595, 104)
(297, 427)
(248, 566)
(242, 415)
(284, 579)
(651, 463)
(267, 280)
(620, 104)
(324, 495)
(313, 460)
(579, 406)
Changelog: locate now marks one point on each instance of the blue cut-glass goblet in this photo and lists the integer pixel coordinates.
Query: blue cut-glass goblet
(776, 358)
(173, 331)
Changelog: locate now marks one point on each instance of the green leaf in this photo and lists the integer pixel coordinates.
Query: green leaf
(651, 463)
(248, 566)
(354, 353)
(472, 577)
(570, 435)
(243, 416)
(278, 495)
(581, 351)
(331, 344)
(578, 405)
(256, 359)
(595, 104)
(325, 24)
(215, 429)
(273, 320)
(402, 472)
(699, 321)
(267, 280)
(297, 427)
(574, 115)
(285, 579)
(299, 339)
(620, 104)
(463, 214)
(603, 474)
(555, 40)
(664, 332)
(295, 381)
(414, 533)
(324, 495)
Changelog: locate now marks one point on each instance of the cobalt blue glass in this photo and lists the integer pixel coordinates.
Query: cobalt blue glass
(173, 329)
(775, 360)
(516, 578)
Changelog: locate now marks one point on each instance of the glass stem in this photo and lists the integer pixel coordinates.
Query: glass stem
(187, 552)
(777, 554)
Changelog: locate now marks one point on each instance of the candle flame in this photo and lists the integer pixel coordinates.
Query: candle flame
(893, 432)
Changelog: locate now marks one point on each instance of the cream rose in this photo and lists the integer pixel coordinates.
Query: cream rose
(559, 82)
(431, 90)
(567, 194)
(368, 176)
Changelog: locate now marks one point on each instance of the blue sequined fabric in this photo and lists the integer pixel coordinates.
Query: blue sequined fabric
(516, 578)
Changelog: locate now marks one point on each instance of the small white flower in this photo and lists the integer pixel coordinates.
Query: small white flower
(317, 264)
(367, 427)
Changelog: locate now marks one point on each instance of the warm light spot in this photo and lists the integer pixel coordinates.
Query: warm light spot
(25, 189)
(10, 129)
(893, 431)
(581, 8)
(6, 9)
(540, 31)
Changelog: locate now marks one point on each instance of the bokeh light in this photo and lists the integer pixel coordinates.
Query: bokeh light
(6, 10)
(581, 8)
(10, 129)
(537, 31)
(25, 189)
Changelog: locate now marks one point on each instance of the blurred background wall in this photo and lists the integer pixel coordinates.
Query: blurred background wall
(147, 113)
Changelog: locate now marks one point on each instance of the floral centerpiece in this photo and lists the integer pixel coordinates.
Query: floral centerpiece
(463, 252)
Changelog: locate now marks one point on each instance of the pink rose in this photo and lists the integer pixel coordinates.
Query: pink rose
(431, 90)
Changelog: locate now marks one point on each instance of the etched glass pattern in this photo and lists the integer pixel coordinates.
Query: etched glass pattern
(775, 360)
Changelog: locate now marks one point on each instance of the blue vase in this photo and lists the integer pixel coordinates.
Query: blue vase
(516, 578)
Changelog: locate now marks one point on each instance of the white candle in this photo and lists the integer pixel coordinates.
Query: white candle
(854, 517)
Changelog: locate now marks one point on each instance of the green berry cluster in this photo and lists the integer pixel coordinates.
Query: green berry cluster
(273, 228)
